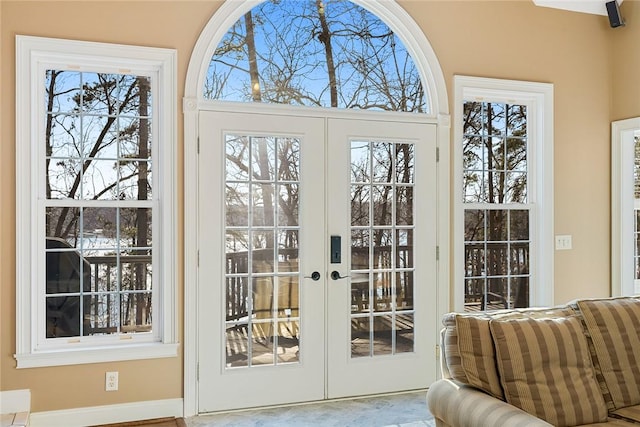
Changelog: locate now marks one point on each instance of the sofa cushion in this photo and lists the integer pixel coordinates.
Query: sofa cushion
(545, 369)
(613, 422)
(469, 348)
(613, 325)
(630, 413)
(477, 365)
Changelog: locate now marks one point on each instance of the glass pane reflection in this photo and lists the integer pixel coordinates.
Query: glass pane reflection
(262, 303)
(404, 333)
(382, 254)
(360, 341)
(382, 335)
(288, 342)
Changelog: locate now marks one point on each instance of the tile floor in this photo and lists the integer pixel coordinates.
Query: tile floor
(397, 410)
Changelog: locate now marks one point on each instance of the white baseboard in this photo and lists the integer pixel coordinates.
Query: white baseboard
(12, 401)
(82, 417)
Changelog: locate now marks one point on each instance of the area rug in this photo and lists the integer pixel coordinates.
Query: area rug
(157, 422)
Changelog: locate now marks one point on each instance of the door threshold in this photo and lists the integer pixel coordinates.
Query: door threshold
(313, 402)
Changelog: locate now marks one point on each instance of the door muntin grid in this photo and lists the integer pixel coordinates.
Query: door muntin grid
(382, 254)
(262, 183)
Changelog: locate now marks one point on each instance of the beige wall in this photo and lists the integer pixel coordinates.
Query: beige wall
(626, 64)
(516, 40)
(512, 40)
(159, 24)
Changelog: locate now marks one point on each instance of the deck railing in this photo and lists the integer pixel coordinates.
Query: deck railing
(508, 290)
(237, 268)
(496, 275)
(111, 280)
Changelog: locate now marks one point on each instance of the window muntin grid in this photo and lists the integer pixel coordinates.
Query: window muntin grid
(382, 256)
(496, 209)
(97, 205)
(495, 153)
(262, 184)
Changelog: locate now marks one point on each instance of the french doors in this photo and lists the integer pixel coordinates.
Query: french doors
(317, 258)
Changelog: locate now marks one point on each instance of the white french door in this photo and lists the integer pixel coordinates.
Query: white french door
(382, 201)
(317, 265)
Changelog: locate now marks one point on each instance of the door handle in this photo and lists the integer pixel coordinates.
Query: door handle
(335, 275)
(315, 276)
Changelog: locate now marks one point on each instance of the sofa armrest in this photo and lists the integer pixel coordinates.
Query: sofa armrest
(463, 406)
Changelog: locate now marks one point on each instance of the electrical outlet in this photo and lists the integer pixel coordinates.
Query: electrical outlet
(111, 381)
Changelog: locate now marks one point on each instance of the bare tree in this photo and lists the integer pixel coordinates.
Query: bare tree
(98, 148)
(495, 173)
(329, 53)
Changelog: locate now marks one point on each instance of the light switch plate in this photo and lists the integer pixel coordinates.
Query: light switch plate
(563, 242)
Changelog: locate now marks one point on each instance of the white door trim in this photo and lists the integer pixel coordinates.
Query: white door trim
(433, 79)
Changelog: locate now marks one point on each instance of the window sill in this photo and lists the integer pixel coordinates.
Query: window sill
(96, 355)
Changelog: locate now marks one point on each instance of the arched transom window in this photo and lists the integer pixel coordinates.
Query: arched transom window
(316, 53)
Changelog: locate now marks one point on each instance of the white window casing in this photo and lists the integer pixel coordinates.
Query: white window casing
(623, 207)
(34, 56)
(538, 97)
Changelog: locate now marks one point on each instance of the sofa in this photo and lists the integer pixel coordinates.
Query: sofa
(571, 365)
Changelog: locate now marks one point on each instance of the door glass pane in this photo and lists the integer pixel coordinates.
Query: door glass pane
(360, 337)
(382, 335)
(404, 331)
(382, 264)
(262, 302)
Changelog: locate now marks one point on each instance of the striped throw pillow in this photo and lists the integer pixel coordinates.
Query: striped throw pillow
(469, 351)
(477, 355)
(545, 369)
(614, 327)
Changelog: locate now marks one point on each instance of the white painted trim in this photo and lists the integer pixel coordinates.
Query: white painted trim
(443, 235)
(108, 414)
(433, 80)
(190, 236)
(96, 355)
(622, 206)
(305, 111)
(539, 98)
(33, 56)
(15, 401)
(595, 7)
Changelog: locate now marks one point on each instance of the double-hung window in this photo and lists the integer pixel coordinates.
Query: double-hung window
(625, 207)
(95, 237)
(503, 230)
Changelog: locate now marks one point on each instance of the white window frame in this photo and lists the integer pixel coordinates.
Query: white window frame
(35, 55)
(623, 204)
(538, 97)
